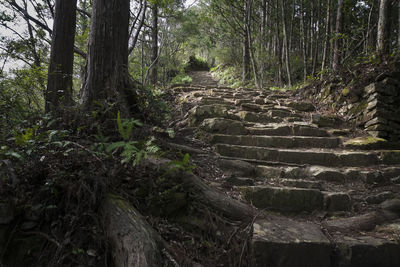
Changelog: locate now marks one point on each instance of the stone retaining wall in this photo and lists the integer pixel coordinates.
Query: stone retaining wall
(381, 117)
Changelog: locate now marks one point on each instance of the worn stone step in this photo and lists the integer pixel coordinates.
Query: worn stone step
(284, 198)
(277, 141)
(283, 130)
(320, 157)
(282, 242)
(258, 117)
(296, 199)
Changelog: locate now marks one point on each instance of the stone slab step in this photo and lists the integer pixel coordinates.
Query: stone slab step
(258, 117)
(282, 242)
(320, 157)
(277, 141)
(284, 130)
(294, 199)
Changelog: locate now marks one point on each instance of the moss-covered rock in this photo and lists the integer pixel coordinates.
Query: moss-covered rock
(368, 142)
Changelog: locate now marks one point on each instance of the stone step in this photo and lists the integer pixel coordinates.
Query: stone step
(283, 242)
(295, 199)
(277, 141)
(284, 129)
(322, 157)
(286, 199)
(258, 117)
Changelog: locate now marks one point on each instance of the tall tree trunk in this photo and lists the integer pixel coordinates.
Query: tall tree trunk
(398, 27)
(383, 40)
(338, 31)
(59, 79)
(154, 46)
(246, 48)
(250, 41)
(285, 40)
(107, 78)
(278, 45)
(262, 47)
(303, 40)
(326, 40)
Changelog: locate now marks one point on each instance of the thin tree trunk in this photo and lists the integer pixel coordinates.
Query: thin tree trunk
(154, 46)
(326, 40)
(59, 79)
(338, 31)
(285, 40)
(278, 45)
(246, 48)
(398, 27)
(139, 28)
(382, 43)
(262, 47)
(303, 43)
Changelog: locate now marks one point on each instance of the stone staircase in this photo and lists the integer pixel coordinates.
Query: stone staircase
(325, 198)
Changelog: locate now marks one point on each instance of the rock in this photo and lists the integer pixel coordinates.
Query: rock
(379, 198)
(237, 181)
(302, 106)
(255, 117)
(268, 172)
(237, 167)
(223, 126)
(327, 174)
(325, 120)
(374, 178)
(391, 157)
(302, 184)
(368, 142)
(337, 201)
(199, 113)
(283, 198)
(366, 251)
(392, 205)
(284, 243)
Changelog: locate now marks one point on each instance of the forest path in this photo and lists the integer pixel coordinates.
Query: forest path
(203, 78)
(322, 200)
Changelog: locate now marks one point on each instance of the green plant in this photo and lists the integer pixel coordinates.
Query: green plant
(183, 165)
(125, 127)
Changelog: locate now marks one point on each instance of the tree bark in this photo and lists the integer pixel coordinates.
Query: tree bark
(383, 40)
(326, 40)
(107, 78)
(134, 241)
(338, 31)
(303, 42)
(59, 81)
(154, 46)
(285, 40)
(246, 48)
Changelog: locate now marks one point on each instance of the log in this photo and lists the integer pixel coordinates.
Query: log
(134, 241)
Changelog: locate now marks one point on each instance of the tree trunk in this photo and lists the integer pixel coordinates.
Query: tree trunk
(154, 46)
(59, 79)
(134, 241)
(303, 43)
(326, 40)
(285, 40)
(383, 39)
(246, 48)
(262, 42)
(398, 27)
(107, 78)
(338, 31)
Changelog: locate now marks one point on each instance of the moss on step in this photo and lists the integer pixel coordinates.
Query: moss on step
(368, 142)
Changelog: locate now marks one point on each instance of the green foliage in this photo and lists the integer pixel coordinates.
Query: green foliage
(182, 165)
(181, 78)
(125, 127)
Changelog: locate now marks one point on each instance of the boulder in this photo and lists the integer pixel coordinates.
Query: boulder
(223, 126)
